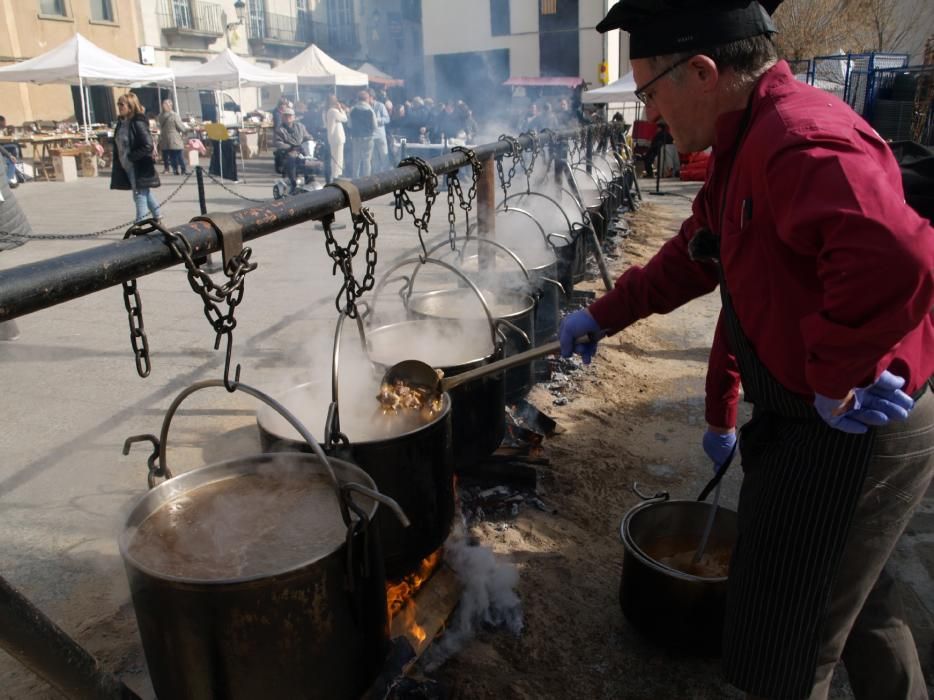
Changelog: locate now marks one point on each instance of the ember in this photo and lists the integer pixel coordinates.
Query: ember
(400, 596)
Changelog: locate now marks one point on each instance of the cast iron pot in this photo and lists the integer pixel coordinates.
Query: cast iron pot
(676, 610)
(515, 308)
(313, 626)
(478, 408)
(415, 467)
(525, 267)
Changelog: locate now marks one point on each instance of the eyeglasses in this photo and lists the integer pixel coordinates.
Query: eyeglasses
(640, 93)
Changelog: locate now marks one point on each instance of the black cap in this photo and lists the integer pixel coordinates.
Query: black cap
(659, 27)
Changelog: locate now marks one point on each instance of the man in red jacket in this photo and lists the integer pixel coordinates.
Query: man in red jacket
(827, 281)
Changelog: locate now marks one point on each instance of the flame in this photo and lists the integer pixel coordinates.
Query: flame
(400, 596)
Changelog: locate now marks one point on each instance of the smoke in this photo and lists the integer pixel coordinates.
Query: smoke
(489, 597)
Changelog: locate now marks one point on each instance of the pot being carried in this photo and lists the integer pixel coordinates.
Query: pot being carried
(256, 573)
(672, 607)
(411, 462)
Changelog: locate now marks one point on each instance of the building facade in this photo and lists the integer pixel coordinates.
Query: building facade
(472, 48)
(29, 28)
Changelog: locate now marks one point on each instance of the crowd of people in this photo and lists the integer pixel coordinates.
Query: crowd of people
(360, 136)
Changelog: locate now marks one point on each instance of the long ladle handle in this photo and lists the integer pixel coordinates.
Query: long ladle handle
(517, 360)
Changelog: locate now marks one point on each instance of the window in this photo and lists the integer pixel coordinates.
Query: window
(181, 11)
(258, 19)
(301, 5)
(55, 8)
(499, 18)
(102, 11)
(549, 7)
(342, 31)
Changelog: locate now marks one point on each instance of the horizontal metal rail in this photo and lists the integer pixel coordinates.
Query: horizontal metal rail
(46, 283)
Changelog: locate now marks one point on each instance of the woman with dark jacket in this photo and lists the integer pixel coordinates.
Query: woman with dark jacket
(133, 165)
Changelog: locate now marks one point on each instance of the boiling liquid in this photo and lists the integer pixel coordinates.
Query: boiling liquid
(678, 553)
(252, 525)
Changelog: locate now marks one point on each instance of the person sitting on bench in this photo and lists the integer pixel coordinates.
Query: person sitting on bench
(289, 137)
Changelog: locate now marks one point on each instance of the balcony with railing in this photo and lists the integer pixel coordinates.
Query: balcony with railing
(191, 18)
(283, 30)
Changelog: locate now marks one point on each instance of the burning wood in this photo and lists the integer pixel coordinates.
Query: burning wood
(400, 597)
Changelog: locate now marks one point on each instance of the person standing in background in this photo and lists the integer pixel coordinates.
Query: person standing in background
(362, 121)
(380, 142)
(171, 139)
(134, 167)
(335, 119)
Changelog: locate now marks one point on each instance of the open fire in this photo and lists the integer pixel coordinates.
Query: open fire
(400, 597)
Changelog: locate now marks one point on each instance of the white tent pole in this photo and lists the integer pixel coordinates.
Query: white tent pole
(84, 109)
(175, 96)
(241, 135)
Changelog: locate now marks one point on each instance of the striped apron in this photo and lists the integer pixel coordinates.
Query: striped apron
(793, 524)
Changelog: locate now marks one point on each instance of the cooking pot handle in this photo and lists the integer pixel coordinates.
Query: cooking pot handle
(659, 496)
(406, 291)
(276, 406)
(333, 424)
(507, 250)
(529, 215)
(514, 328)
(450, 268)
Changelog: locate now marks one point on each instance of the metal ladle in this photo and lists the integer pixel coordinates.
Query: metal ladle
(415, 373)
(713, 506)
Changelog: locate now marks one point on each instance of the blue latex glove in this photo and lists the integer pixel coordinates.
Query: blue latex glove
(877, 404)
(575, 325)
(718, 447)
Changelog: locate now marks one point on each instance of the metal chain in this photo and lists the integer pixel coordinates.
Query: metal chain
(234, 192)
(529, 167)
(95, 234)
(454, 187)
(134, 309)
(343, 257)
(516, 153)
(550, 154)
(211, 294)
(429, 183)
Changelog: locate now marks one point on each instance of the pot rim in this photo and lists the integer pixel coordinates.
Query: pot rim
(225, 471)
(634, 549)
(434, 320)
(527, 301)
(263, 415)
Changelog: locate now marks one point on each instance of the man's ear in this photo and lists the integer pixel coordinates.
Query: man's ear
(704, 70)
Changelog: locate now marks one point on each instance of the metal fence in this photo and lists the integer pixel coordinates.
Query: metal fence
(286, 28)
(900, 103)
(847, 75)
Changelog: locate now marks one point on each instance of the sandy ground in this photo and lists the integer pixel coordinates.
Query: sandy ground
(634, 415)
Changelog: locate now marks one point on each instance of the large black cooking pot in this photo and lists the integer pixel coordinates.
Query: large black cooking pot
(676, 610)
(523, 264)
(515, 311)
(478, 408)
(257, 573)
(414, 466)
(563, 239)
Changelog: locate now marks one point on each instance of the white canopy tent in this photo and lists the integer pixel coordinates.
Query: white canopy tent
(79, 61)
(622, 90)
(228, 70)
(314, 67)
(379, 77)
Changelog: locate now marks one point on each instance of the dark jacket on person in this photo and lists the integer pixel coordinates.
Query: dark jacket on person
(362, 122)
(290, 136)
(139, 153)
